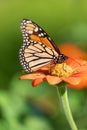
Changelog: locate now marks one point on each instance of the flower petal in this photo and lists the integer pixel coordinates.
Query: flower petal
(37, 81)
(32, 76)
(72, 80)
(82, 84)
(79, 79)
(74, 52)
(44, 69)
(53, 80)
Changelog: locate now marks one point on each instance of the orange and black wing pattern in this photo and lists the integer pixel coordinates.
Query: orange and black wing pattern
(38, 48)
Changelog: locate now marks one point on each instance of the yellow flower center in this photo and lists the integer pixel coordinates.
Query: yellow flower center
(61, 70)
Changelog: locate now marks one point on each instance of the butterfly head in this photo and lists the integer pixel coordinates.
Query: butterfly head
(61, 58)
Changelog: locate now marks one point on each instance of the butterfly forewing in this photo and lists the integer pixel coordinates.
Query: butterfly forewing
(31, 30)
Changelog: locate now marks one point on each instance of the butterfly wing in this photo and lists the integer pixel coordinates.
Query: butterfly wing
(34, 55)
(38, 48)
(31, 30)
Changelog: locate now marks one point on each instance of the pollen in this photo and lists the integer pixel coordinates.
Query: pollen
(61, 70)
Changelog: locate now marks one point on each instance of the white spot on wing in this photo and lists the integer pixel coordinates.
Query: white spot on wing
(30, 32)
(28, 21)
(42, 34)
(36, 29)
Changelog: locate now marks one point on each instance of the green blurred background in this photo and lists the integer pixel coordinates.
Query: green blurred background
(21, 106)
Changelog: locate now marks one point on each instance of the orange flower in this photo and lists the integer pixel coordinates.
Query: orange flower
(73, 71)
(74, 52)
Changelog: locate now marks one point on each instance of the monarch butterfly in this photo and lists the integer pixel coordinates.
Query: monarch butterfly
(38, 48)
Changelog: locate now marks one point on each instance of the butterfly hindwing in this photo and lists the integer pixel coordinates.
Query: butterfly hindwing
(34, 55)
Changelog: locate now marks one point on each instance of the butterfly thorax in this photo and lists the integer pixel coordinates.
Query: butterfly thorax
(60, 59)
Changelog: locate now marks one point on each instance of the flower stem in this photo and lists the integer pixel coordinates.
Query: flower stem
(62, 94)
